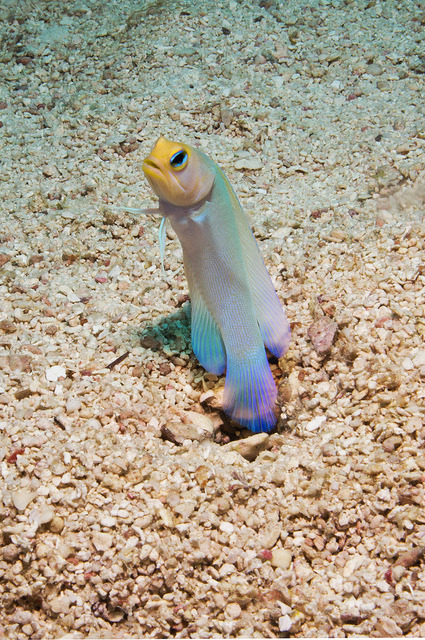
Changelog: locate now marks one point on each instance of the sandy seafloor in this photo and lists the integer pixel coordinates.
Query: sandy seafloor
(128, 508)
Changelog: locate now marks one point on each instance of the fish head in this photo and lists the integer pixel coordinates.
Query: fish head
(178, 173)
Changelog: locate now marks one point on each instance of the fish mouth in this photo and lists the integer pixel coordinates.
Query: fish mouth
(150, 168)
(163, 183)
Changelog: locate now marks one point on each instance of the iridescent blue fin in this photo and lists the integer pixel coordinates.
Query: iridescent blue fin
(250, 392)
(271, 318)
(207, 343)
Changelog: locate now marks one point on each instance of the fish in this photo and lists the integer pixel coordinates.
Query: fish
(235, 310)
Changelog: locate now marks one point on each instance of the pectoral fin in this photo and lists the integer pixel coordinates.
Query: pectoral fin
(162, 241)
(207, 343)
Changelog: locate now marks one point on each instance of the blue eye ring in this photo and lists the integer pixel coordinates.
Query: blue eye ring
(179, 160)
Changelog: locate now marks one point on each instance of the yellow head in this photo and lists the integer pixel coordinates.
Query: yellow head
(178, 173)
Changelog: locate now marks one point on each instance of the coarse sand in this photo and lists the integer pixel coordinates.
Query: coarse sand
(130, 507)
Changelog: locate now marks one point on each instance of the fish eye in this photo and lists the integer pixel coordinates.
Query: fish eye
(179, 159)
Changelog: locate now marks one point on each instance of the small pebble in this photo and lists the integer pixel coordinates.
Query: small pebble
(374, 69)
(56, 524)
(419, 358)
(281, 558)
(407, 364)
(315, 423)
(102, 541)
(233, 610)
(8, 326)
(59, 604)
(398, 572)
(73, 405)
(322, 334)
(55, 373)
(44, 514)
(202, 422)
(28, 629)
(21, 498)
(178, 432)
(250, 164)
(10, 552)
(22, 617)
(67, 291)
(108, 521)
(285, 623)
(51, 329)
(202, 475)
(226, 527)
(249, 448)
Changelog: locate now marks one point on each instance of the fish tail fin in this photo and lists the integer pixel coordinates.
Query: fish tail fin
(250, 392)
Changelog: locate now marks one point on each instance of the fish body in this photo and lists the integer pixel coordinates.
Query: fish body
(235, 309)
